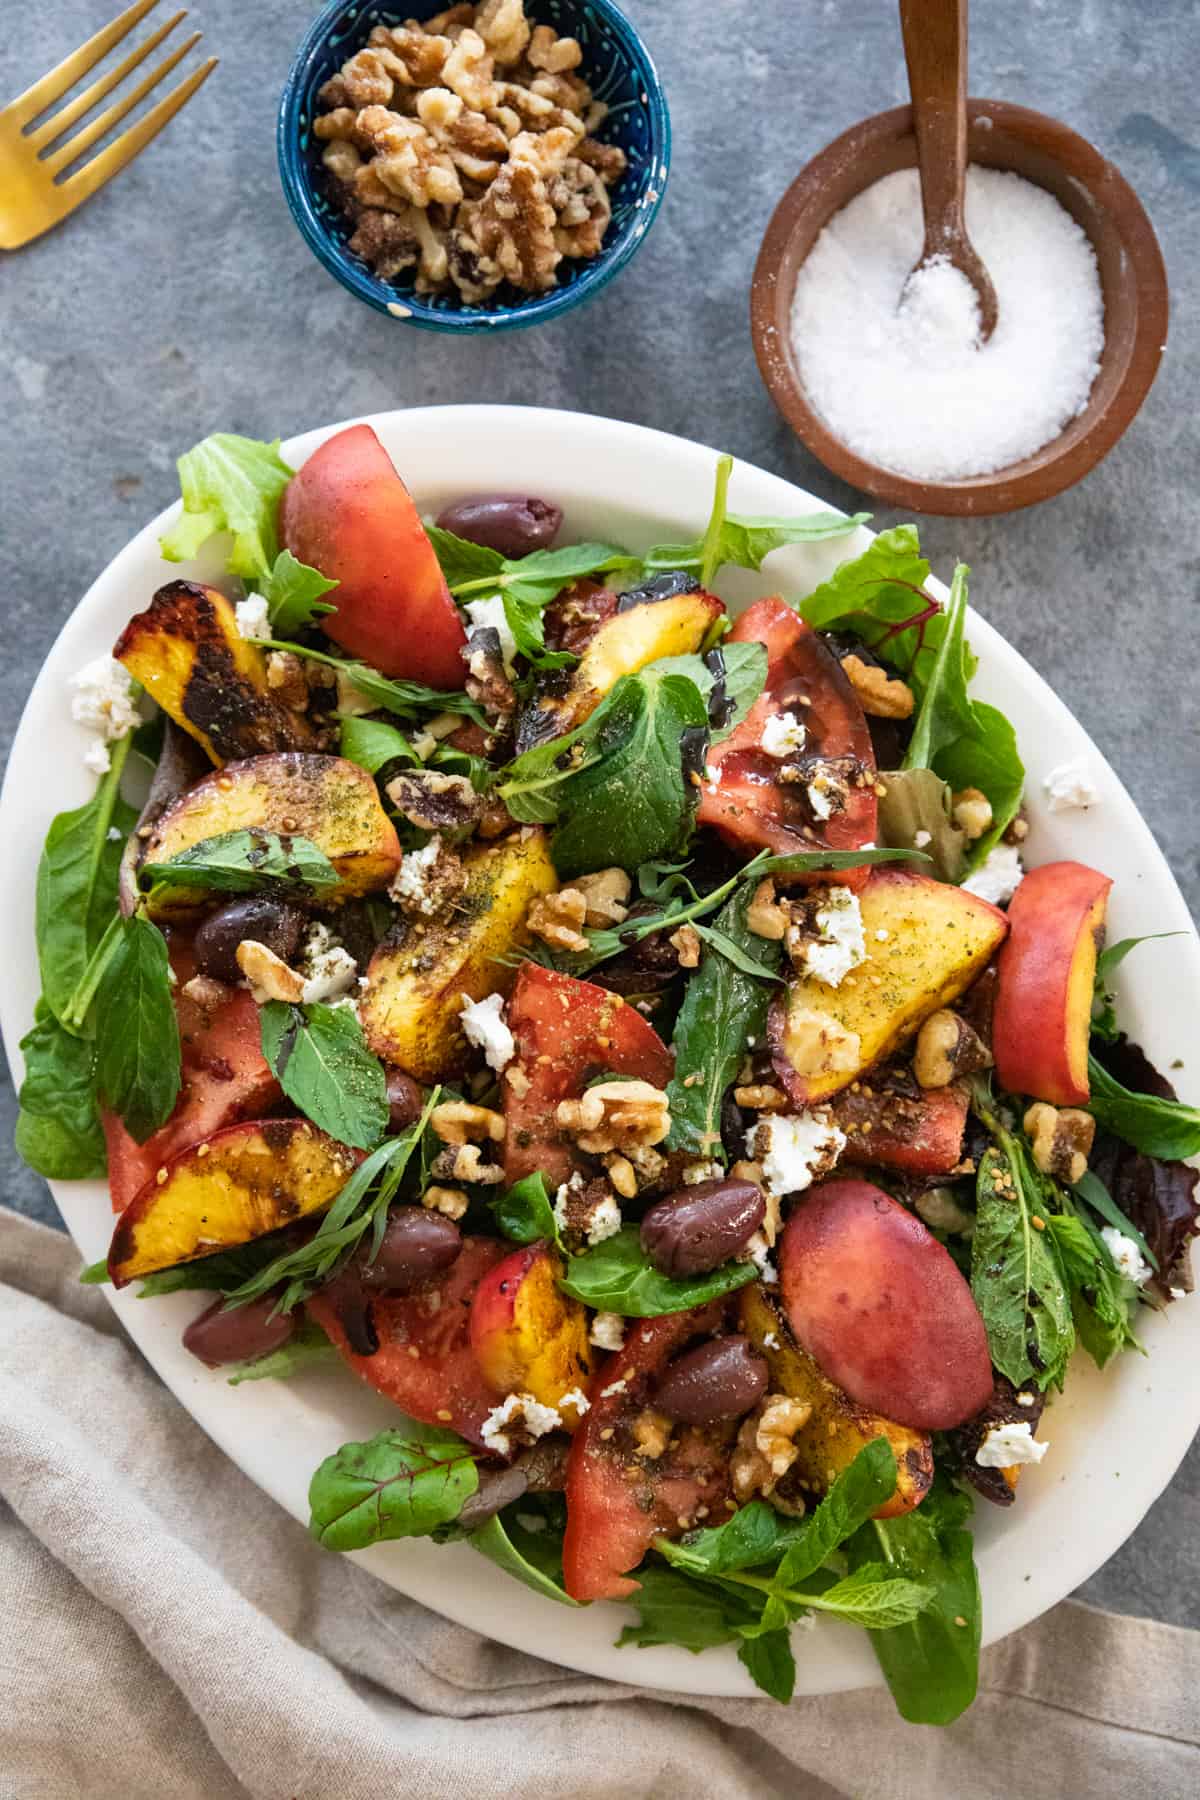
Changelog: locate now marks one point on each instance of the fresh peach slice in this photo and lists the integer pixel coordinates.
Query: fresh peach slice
(527, 1335)
(882, 1309)
(1046, 974)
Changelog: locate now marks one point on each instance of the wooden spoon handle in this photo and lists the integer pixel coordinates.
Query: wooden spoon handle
(935, 49)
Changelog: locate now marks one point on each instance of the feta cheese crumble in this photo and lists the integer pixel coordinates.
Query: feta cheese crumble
(998, 876)
(102, 702)
(484, 1026)
(489, 615)
(614, 1387)
(328, 968)
(526, 1418)
(352, 703)
(758, 1251)
(410, 882)
(794, 1148)
(820, 801)
(921, 838)
(1125, 1253)
(577, 1400)
(783, 735)
(1007, 1446)
(841, 945)
(608, 1331)
(253, 619)
(1069, 786)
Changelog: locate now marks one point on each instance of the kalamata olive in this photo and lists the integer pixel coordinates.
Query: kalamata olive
(241, 1335)
(404, 1098)
(497, 1488)
(260, 916)
(719, 1380)
(416, 1244)
(513, 524)
(698, 1228)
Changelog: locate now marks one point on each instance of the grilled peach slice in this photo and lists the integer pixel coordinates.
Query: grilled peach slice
(926, 943)
(415, 987)
(237, 1185)
(881, 1307)
(528, 1336)
(1045, 977)
(326, 799)
(188, 654)
(837, 1428)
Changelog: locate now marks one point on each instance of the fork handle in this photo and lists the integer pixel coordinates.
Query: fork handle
(935, 49)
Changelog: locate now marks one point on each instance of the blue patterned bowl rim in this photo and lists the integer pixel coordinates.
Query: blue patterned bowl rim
(626, 234)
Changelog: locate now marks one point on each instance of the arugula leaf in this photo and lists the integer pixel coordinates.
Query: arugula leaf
(402, 1483)
(1016, 1277)
(77, 889)
(931, 1664)
(534, 1558)
(523, 1212)
(246, 862)
(1090, 1189)
(322, 1063)
(744, 541)
(723, 1008)
(58, 1127)
(1104, 1018)
(234, 484)
(138, 1057)
(1168, 1129)
(388, 694)
(1102, 1299)
(372, 744)
(945, 712)
(617, 1276)
(917, 800)
(293, 593)
(768, 1658)
(306, 1346)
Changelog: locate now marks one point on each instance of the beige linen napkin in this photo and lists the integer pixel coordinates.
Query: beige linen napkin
(167, 1632)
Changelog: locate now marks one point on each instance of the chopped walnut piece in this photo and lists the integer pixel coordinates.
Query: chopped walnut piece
(761, 1096)
(463, 1162)
(421, 53)
(536, 112)
(455, 18)
(569, 93)
(365, 80)
(604, 894)
(473, 274)
(623, 1176)
(582, 208)
(474, 144)
(487, 684)
(342, 123)
(686, 943)
(553, 53)
(971, 811)
(1062, 1140)
(286, 678)
(503, 27)
(546, 152)
(469, 71)
(461, 1122)
(448, 1200)
(369, 191)
(765, 917)
(206, 993)
(408, 160)
(882, 695)
(270, 978)
(514, 226)
(609, 160)
(435, 801)
(946, 1048)
(557, 919)
(387, 241)
(615, 1115)
(765, 1452)
(341, 159)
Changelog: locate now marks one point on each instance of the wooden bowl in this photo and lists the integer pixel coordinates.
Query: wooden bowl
(1132, 275)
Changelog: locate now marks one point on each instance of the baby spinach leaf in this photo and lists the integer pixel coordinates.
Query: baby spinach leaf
(58, 1127)
(534, 1558)
(1102, 1300)
(1162, 1128)
(307, 1346)
(724, 1006)
(403, 1482)
(137, 1035)
(744, 541)
(234, 484)
(373, 744)
(1016, 1276)
(523, 1212)
(1104, 1018)
(932, 1663)
(293, 593)
(246, 862)
(987, 759)
(76, 893)
(617, 1276)
(323, 1065)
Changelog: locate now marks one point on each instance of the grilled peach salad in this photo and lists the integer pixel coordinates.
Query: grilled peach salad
(625, 1035)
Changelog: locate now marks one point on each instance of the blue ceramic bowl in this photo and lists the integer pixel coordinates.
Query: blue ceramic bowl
(621, 73)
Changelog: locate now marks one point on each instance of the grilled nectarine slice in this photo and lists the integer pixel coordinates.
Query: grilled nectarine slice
(1045, 977)
(528, 1336)
(882, 1309)
(237, 1185)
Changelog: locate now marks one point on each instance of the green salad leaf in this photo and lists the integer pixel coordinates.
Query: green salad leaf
(322, 1063)
(373, 744)
(219, 1273)
(1016, 1275)
(617, 1276)
(916, 801)
(1104, 1017)
(387, 693)
(523, 1212)
(735, 673)
(233, 484)
(1092, 1191)
(532, 1557)
(246, 862)
(526, 584)
(1168, 1129)
(744, 541)
(404, 1482)
(1102, 1299)
(945, 712)
(138, 1058)
(58, 1126)
(294, 595)
(307, 1347)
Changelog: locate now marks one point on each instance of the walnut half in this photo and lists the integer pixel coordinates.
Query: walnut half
(946, 1048)
(1061, 1138)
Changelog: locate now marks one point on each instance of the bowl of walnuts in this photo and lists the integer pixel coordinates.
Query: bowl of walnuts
(481, 166)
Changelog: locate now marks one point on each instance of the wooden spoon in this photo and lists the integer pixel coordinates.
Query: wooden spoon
(935, 49)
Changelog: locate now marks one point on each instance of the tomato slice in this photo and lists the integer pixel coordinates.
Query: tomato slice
(618, 1502)
(751, 806)
(225, 1079)
(567, 1031)
(921, 1134)
(424, 1361)
(348, 514)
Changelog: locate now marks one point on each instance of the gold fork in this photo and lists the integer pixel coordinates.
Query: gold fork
(32, 198)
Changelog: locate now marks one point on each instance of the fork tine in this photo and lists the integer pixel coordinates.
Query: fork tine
(55, 83)
(83, 184)
(67, 115)
(74, 147)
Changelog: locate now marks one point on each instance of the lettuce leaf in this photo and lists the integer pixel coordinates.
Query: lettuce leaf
(233, 484)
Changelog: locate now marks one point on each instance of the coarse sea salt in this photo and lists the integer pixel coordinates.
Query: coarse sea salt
(895, 367)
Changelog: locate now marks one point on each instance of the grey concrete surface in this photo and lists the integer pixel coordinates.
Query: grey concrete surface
(182, 301)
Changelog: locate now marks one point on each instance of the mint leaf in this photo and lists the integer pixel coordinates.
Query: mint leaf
(872, 1598)
(323, 1065)
(534, 1558)
(868, 1483)
(404, 1482)
(58, 1127)
(293, 593)
(387, 694)
(735, 674)
(617, 1276)
(755, 1536)
(772, 1667)
(138, 1057)
(233, 484)
(1016, 1277)
(523, 1212)
(526, 584)
(460, 559)
(246, 862)
(307, 1346)
(1167, 1129)
(372, 744)
(675, 1609)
